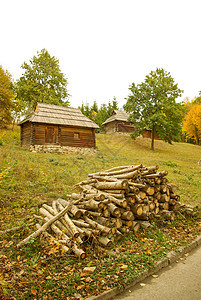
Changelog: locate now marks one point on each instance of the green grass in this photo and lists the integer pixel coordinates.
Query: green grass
(29, 179)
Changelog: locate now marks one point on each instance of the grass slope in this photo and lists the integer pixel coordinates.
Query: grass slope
(28, 179)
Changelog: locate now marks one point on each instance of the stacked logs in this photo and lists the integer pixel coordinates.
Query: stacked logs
(110, 204)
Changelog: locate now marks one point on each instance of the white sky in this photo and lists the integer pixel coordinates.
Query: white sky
(105, 45)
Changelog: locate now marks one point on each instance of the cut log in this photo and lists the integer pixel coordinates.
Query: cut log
(118, 202)
(71, 225)
(103, 240)
(136, 209)
(94, 213)
(120, 192)
(103, 221)
(128, 175)
(114, 210)
(128, 215)
(47, 224)
(81, 223)
(164, 206)
(142, 195)
(149, 190)
(138, 199)
(46, 234)
(119, 185)
(124, 230)
(163, 188)
(106, 213)
(137, 185)
(90, 204)
(79, 252)
(60, 233)
(135, 227)
(144, 224)
(61, 224)
(172, 187)
(164, 198)
(98, 226)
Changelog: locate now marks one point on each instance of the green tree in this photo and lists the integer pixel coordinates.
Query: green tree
(102, 116)
(42, 81)
(152, 105)
(6, 98)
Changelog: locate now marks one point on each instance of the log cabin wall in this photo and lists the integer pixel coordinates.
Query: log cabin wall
(77, 137)
(111, 127)
(25, 135)
(125, 127)
(47, 134)
(148, 134)
(118, 126)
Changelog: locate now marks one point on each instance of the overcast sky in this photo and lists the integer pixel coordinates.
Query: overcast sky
(103, 46)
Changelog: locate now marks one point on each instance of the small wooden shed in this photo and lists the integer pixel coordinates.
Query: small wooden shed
(58, 126)
(118, 122)
(148, 134)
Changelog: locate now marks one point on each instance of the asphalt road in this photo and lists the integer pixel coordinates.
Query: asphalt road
(180, 281)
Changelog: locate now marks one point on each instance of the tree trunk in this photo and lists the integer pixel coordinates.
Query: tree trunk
(152, 137)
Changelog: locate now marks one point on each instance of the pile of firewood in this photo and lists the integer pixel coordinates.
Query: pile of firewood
(108, 205)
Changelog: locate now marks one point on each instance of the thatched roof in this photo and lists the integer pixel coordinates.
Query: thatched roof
(117, 115)
(59, 115)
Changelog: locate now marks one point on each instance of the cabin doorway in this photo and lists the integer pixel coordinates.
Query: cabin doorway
(50, 135)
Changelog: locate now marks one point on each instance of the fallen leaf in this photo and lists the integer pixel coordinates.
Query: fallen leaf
(88, 279)
(34, 292)
(155, 276)
(89, 269)
(124, 267)
(142, 284)
(79, 287)
(83, 274)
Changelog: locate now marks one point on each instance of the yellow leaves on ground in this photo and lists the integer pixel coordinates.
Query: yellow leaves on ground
(34, 292)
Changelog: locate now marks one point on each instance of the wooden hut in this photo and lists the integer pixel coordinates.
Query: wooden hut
(57, 126)
(118, 122)
(148, 134)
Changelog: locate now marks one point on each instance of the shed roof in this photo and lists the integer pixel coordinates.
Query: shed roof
(59, 115)
(118, 115)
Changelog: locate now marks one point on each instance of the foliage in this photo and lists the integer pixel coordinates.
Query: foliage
(99, 115)
(42, 81)
(6, 97)
(192, 123)
(152, 105)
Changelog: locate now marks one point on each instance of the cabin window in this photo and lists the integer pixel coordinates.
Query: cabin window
(76, 136)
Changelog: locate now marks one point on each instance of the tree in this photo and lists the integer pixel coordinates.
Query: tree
(192, 123)
(42, 81)
(99, 115)
(152, 105)
(6, 98)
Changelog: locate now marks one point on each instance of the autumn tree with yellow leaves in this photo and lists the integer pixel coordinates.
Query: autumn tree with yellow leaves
(192, 123)
(6, 97)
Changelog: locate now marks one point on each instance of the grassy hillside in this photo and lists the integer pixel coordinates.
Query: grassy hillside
(40, 269)
(28, 179)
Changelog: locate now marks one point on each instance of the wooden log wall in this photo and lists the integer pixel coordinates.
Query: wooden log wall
(77, 137)
(25, 134)
(125, 127)
(44, 134)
